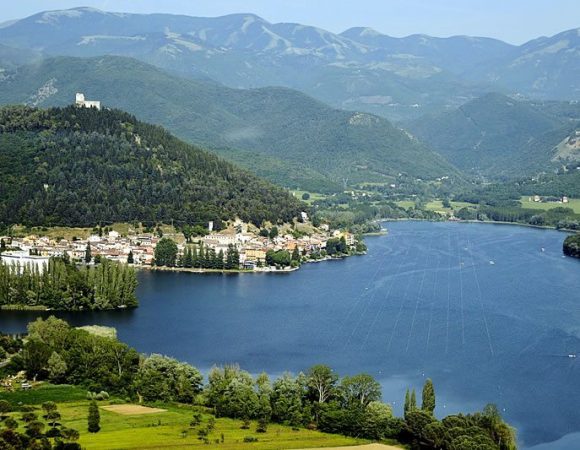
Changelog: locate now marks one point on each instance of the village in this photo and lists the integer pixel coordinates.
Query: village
(138, 248)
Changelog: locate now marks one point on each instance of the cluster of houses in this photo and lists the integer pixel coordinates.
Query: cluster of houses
(251, 246)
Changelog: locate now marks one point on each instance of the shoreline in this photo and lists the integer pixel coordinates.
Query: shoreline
(492, 222)
(218, 271)
(284, 270)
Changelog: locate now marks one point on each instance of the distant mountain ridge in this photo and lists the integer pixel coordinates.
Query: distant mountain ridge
(285, 135)
(359, 69)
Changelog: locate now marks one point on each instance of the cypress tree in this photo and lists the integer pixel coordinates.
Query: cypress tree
(296, 254)
(406, 408)
(130, 259)
(88, 255)
(413, 401)
(194, 257)
(94, 418)
(428, 397)
(188, 259)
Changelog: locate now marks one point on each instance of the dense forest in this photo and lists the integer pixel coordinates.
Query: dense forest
(572, 246)
(63, 286)
(317, 398)
(80, 167)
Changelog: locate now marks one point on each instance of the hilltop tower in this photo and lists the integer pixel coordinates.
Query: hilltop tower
(82, 103)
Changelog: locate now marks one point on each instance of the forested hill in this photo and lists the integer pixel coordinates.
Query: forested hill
(498, 135)
(80, 167)
(285, 135)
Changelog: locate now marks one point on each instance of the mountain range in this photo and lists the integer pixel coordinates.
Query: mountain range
(359, 69)
(278, 133)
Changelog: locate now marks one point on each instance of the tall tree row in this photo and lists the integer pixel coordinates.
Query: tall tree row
(63, 286)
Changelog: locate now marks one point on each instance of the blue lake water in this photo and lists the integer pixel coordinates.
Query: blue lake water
(489, 312)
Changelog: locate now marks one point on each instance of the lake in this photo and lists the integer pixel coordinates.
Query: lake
(490, 312)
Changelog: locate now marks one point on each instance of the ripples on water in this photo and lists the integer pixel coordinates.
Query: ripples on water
(479, 308)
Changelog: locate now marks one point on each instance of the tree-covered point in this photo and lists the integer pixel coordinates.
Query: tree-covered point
(572, 246)
(64, 286)
(78, 167)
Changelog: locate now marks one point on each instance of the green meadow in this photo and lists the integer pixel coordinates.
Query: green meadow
(169, 429)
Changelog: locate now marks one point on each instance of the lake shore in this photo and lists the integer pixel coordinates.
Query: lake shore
(493, 222)
(259, 270)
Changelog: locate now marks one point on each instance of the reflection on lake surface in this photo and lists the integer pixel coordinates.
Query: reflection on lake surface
(479, 308)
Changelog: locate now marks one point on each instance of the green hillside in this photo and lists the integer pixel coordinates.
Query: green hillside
(306, 144)
(496, 135)
(80, 167)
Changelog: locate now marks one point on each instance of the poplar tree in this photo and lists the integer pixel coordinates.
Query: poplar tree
(88, 255)
(428, 397)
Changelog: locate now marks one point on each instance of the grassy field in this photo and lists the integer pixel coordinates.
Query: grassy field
(406, 204)
(313, 196)
(169, 429)
(434, 205)
(44, 393)
(573, 204)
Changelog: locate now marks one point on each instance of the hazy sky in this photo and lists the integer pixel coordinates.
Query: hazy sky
(514, 21)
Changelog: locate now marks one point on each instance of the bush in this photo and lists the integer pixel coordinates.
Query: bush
(5, 407)
(29, 417)
(262, 425)
(11, 423)
(196, 419)
(250, 439)
(103, 395)
(53, 432)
